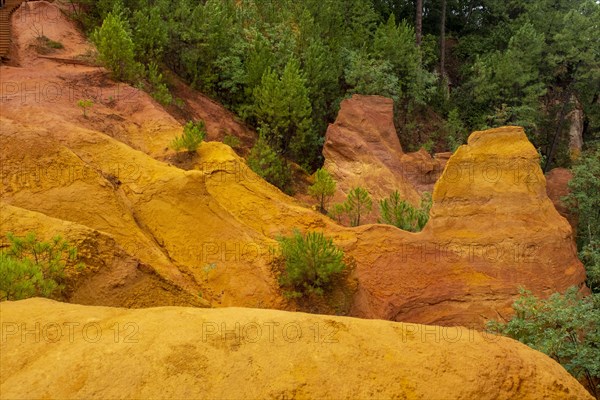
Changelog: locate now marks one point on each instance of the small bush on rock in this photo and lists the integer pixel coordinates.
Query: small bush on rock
(311, 261)
(30, 267)
(193, 134)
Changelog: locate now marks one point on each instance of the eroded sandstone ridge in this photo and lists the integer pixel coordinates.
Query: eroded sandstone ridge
(362, 149)
(236, 353)
(153, 234)
(492, 229)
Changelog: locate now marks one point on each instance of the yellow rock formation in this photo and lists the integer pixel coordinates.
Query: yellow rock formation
(56, 350)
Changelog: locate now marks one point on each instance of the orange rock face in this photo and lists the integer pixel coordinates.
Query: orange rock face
(557, 186)
(155, 234)
(362, 149)
(492, 229)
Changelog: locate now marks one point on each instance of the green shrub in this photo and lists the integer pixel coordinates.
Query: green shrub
(404, 215)
(584, 199)
(311, 261)
(565, 327)
(115, 47)
(85, 104)
(160, 91)
(337, 211)
(357, 204)
(193, 134)
(232, 141)
(282, 109)
(34, 268)
(456, 131)
(590, 257)
(53, 44)
(323, 188)
(269, 165)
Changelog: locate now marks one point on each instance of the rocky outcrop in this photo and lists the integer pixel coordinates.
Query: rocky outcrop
(166, 236)
(492, 229)
(166, 218)
(55, 350)
(362, 149)
(113, 275)
(557, 187)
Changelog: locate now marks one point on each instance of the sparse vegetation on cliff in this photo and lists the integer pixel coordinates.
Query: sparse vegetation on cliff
(565, 327)
(286, 67)
(357, 205)
(323, 188)
(30, 267)
(194, 133)
(311, 261)
(402, 214)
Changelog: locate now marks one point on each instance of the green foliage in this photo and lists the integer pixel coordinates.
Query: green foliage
(585, 201)
(428, 145)
(115, 47)
(285, 66)
(269, 165)
(396, 45)
(404, 215)
(337, 211)
(85, 104)
(323, 188)
(584, 198)
(53, 44)
(160, 91)
(367, 75)
(30, 267)
(282, 110)
(590, 257)
(357, 204)
(231, 141)
(311, 261)
(565, 327)
(510, 82)
(150, 33)
(456, 134)
(192, 137)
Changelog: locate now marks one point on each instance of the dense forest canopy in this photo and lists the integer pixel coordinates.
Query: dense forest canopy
(284, 66)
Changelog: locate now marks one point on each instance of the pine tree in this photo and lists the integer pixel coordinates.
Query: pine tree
(283, 112)
(269, 165)
(115, 47)
(357, 204)
(323, 188)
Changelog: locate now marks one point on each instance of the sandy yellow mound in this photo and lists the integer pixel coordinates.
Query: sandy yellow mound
(56, 350)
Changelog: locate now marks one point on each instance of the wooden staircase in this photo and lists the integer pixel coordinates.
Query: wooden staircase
(5, 12)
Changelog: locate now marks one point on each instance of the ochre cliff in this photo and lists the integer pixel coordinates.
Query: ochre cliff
(155, 234)
(492, 229)
(362, 149)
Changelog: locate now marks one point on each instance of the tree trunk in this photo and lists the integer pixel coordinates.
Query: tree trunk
(443, 42)
(419, 22)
